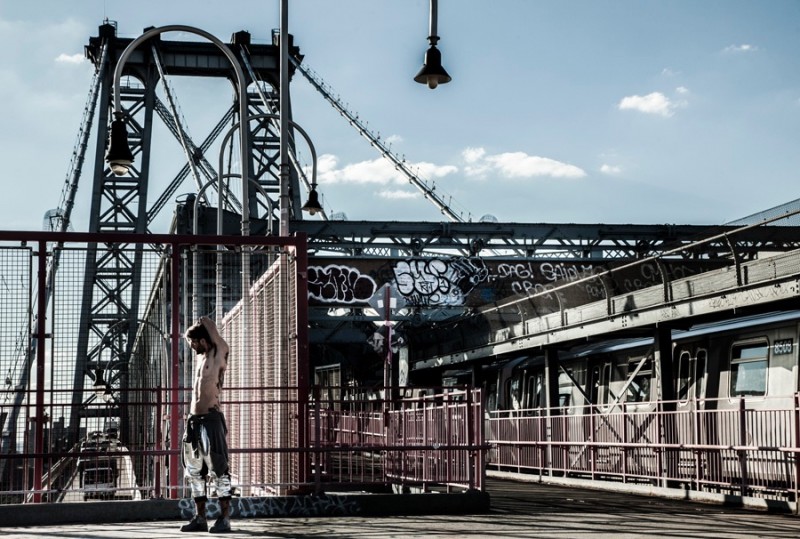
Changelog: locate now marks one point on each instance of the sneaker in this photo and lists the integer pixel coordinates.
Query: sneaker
(222, 525)
(197, 524)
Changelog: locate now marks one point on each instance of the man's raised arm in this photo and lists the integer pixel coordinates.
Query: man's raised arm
(213, 332)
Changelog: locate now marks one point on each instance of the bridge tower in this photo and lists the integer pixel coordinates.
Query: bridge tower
(120, 204)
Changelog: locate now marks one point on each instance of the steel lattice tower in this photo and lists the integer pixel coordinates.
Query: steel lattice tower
(112, 287)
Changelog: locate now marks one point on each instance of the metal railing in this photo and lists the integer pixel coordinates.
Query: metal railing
(742, 446)
(109, 424)
(360, 444)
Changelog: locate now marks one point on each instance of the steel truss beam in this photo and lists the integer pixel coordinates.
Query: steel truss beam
(521, 241)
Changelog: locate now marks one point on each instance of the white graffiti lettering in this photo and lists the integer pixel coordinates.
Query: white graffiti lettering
(438, 281)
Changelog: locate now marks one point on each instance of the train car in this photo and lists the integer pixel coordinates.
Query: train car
(727, 425)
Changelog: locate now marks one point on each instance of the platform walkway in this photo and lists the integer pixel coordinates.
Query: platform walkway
(518, 510)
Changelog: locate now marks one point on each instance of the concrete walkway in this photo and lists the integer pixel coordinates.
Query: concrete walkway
(518, 510)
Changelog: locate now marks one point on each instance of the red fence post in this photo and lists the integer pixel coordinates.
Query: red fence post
(174, 408)
(157, 464)
(796, 453)
(742, 443)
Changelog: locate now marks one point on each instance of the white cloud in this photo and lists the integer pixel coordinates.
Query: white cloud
(742, 48)
(653, 103)
(71, 58)
(472, 155)
(611, 170)
(394, 139)
(517, 165)
(379, 171)
(682, 90)
(398, 194)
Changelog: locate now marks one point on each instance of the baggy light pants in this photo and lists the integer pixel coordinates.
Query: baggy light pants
(205, 454)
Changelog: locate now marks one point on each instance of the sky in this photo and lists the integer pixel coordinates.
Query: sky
(559, 111)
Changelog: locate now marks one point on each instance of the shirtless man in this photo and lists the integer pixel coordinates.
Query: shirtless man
(205, 451)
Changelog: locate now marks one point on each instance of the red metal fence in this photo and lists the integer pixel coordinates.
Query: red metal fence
(742, 447)
(94, 404)
(431, 443)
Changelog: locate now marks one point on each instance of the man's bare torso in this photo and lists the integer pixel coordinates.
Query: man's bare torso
(208, 382)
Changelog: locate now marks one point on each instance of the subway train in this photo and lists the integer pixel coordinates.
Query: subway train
(730, 424)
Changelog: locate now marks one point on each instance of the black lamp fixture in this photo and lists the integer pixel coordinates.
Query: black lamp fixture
(432, 72)
(312, 206)
(118, 155)
(99, 385)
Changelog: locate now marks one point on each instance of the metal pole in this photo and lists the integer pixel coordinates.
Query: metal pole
(174, 408)
(283, 103)
(41, 307)
(284, 118)
(434, 16)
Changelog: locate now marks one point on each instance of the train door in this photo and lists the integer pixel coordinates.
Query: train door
(600, 385)
(689, 368)
(533, 391)
(690, 377)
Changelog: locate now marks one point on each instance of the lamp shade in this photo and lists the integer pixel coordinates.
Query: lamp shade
(99, 386)
(118, 155)
(432, 72)
(312, 206)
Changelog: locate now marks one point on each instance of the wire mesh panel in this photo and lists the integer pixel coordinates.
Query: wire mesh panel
(97, 411)
(16, 361)
(262, 378)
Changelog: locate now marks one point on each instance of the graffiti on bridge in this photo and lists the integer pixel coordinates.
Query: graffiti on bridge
(278, 506)
(459, 281)
(339, 284)
(428, 282)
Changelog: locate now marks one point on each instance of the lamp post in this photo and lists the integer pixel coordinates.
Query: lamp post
(119, 160)
(119, 156)
(432, 72)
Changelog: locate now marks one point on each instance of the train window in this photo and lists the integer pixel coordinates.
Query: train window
(564, 399)
(639, 387)
(565, 388)
(684, 376)
(527, 392)
(605, 384)
(540, 393)
(491, 399)
(515, 393)
(700, 374)
(748, 369)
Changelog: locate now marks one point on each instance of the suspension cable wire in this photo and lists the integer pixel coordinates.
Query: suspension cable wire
(400, 164)
(170, 190)
(273, 106)
(177, 117)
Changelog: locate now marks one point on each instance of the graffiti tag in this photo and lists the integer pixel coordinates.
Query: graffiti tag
(339, 284)
(439, 281)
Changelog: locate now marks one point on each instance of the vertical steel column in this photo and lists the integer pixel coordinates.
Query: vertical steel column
(301, 339)
(669, 458)
(175, 404)
(551, 396)
(41, 308)
(796, 453)
(283, 101)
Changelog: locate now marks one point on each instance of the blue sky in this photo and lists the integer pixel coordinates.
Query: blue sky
(579, 111)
